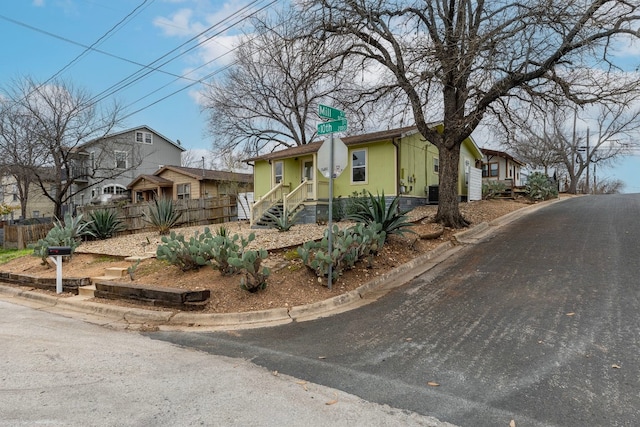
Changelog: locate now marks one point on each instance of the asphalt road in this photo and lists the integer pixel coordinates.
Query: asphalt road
(537, 323)
(57, 371)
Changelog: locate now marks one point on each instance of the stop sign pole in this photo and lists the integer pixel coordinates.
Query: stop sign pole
(338, 123)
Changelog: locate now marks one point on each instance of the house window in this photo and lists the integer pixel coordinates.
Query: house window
(121, 159)
(183, 191)
(436, 165)
(92, 160)
(490, 170)
(144, 137)
(278, 172)
(36, 214)
(359, 166)
(113, 189)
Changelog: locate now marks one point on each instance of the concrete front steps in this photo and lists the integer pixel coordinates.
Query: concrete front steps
(110, 273)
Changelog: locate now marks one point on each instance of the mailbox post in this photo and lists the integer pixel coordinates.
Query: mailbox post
(56, 253)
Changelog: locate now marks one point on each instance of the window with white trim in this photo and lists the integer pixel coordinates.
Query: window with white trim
(121, 159)
(436, 165)
(114, 189)
(144, 137)
(183, 191)
(359, 165)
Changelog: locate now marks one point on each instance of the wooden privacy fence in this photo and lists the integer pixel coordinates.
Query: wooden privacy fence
(20, 236)
(213, 210)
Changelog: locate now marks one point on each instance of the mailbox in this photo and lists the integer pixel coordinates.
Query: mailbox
(59, 250)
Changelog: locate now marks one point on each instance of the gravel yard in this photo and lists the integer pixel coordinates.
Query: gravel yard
(270, 239)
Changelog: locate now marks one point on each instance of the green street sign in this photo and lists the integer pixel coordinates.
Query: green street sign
(332, 126)
(330, 113)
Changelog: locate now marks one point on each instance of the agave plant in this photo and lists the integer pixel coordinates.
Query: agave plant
(285, 221)
(374, 210)
(104, 224)
(163, 215)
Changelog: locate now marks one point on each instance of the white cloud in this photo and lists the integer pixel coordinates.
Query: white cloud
(178, 24)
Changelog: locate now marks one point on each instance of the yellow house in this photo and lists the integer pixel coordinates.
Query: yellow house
(398, 162)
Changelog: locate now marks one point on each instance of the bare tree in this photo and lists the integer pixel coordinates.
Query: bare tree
(553, 140)
(467, 58)
(269, 97)
(607, 186)
(50, 124)
(20, 154)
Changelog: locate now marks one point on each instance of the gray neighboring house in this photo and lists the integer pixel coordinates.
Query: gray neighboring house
(103, 167)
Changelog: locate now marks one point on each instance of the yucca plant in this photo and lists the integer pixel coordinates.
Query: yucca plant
(285, 221)
(104, 224)
(374, 210)
(163, 215)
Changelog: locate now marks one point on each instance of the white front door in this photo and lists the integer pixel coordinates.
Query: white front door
(307, 172)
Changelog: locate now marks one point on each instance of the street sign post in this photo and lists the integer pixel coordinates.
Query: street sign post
(334, 167)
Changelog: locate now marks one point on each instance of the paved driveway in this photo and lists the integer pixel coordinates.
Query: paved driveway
(538, 324)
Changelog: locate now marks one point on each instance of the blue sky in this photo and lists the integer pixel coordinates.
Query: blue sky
(47, 35)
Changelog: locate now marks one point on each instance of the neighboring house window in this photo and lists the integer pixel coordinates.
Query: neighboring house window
(113, 189)
(93, 193)
(144, 137)
(92, 160)
(359, 165)
(436, 165)
(278, 172)
(183, 191)
(121, 159)
(36, 214)
(490, 170)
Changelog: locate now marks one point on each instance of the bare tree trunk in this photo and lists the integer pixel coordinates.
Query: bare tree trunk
(448, 209)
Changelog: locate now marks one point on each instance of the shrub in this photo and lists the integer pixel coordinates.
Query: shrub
(162, 215)
(284, 221)
(249, 263)
(104, 224)
(226, 254)
(349, 246)
(374, 210)
(540, 187)
(186, 255)
(203, 249)
(492, 188)
(68, 233)
(353, 202)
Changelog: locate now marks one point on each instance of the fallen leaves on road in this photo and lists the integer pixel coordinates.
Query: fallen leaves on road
(433, 384)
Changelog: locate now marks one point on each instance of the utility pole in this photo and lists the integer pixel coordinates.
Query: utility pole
(587, 190)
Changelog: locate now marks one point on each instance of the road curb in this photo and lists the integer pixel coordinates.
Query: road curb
(362, 295)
